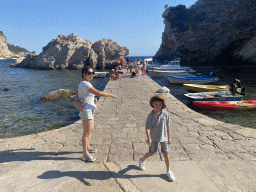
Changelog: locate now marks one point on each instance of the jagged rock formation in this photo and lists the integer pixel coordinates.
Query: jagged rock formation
(4, 51)
(211, 31)
(24, 54)
(72, 52)
(109, 52)
(27, 62)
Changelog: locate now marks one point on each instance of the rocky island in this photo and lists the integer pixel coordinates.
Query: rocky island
(73, 52)
(4, 51)
(210, 31)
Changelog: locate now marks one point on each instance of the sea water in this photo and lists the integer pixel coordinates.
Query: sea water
(243, 117)
(21, 110)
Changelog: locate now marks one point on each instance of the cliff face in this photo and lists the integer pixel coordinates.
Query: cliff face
(4, 51)
(211, 31)
(72, 52)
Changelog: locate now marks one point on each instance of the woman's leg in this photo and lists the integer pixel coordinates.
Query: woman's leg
(88, 128)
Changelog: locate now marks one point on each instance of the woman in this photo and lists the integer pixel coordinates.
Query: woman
(144, 67)
(138, 67)
(115, 75)
(87, 93)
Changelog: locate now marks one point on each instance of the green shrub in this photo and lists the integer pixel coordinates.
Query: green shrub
(16, 49)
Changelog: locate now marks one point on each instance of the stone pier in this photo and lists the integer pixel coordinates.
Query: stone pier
(206, 154)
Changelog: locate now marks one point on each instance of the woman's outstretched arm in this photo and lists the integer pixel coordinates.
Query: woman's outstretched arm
(101, 93)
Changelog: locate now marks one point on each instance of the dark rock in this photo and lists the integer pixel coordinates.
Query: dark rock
(6, 89)
(211, 31)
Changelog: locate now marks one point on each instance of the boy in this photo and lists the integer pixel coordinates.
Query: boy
(158, 130)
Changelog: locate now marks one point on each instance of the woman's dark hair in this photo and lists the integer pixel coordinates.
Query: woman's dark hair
(85, 70)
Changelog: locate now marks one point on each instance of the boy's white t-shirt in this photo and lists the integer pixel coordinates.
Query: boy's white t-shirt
(85, 95)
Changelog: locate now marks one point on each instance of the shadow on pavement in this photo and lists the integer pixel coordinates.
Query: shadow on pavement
(98, 175)
(30, 154)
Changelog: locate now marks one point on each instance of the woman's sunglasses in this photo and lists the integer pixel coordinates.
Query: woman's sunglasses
(90, 73)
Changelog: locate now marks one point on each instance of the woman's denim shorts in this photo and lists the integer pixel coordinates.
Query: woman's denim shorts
(86, 114)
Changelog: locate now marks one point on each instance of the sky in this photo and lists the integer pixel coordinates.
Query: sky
(135, 24)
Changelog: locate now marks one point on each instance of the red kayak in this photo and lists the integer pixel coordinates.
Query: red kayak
(251, 104)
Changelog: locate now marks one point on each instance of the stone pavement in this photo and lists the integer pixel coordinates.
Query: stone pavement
(206, 154)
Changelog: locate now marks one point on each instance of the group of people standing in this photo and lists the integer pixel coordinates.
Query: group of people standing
(157, 123)
(137, 66)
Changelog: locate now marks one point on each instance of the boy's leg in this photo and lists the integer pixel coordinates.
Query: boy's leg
(167, 160)
(152, 150)
(147, 155)
(165, 152)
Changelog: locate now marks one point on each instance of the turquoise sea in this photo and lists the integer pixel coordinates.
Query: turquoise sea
(22, 111)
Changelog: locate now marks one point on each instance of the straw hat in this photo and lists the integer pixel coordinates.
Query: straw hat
(160, 96)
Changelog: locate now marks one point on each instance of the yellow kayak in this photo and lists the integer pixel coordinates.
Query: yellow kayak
(207, 88)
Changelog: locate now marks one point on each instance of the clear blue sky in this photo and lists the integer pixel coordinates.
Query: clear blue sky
(135, 24)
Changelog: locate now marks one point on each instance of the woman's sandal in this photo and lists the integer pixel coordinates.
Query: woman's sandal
(89, 158)
(92, 150)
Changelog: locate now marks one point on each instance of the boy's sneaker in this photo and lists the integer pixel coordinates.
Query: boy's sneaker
(170, 176)
(142, 164)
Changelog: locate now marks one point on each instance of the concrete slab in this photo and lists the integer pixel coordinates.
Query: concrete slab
(231, 175)
(39, 175)
(96, 178)
(189, 177)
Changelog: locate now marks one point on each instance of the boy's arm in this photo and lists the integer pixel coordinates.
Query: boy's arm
(148, 136)
(169, 133)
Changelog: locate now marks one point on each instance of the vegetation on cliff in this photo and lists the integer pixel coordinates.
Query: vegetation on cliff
(16, 49)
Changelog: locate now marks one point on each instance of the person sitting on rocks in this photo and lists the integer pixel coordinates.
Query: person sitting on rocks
(115, 75)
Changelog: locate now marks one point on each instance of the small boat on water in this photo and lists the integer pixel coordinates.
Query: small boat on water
(191, 79)
(228, 105)
(100, 74)
(172, 65)
(150, 64)
(156, 73)
(213, 96)
(207, 88)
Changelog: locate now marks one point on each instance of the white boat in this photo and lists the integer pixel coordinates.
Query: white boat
(1, 58)
(150, 64)
(191, 79)
(172, 65)
(149, 60)
(100, 74)
(157, 73)
(213, 96)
